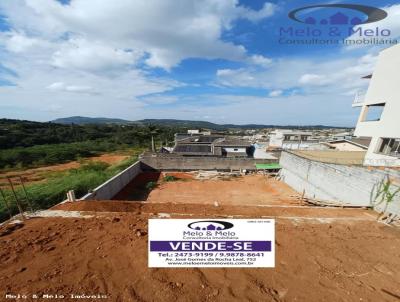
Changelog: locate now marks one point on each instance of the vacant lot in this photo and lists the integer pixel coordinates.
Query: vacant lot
(322, 253)
(248, 190)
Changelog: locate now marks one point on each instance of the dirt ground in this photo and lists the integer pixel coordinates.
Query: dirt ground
(39, 174)
(348, 258)
(248, 190)
(322, 253)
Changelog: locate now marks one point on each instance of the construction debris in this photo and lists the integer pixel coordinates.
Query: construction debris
(215, 175)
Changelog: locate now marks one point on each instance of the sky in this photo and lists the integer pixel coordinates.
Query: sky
(224, 61)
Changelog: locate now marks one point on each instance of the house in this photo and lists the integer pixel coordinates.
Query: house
(233, 148)
(338, 19)
(380, 110)
(290, 139)
(190, 133)
(355, 144)
(342, 135)
(200, 145)
(213, 145)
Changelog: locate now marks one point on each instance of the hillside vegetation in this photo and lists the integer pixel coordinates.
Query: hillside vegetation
(30, 144)
(46, 194)
(26, 144)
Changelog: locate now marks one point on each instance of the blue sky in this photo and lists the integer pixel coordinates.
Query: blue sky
(217, 60)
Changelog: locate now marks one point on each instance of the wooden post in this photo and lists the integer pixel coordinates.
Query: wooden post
(16, 199)
(6, 203)
(71, 195)
(26, 194)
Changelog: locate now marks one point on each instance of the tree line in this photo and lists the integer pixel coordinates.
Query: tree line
(26, 143)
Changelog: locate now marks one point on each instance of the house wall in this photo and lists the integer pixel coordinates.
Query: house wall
(276, 140)
(296, 145)
(235, 150)
(186, 163)
(383, 88)
(345, 184)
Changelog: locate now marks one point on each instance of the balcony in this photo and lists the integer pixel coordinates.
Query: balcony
(359, 99)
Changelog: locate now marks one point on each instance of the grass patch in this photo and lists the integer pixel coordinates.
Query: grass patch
(42, 155)
(82, 180)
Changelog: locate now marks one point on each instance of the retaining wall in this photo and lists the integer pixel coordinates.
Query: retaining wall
(115, 184)
(346, 184)
(169, 162)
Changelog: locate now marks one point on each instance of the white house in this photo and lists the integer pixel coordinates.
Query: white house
(380, 111)
(290, 139)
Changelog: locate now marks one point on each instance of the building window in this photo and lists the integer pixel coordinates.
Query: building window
(373, 112)
(389, 146)
(235, 149)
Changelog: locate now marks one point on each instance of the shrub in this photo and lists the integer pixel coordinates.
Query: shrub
(96, 166)
(151, 185)
(169, 178)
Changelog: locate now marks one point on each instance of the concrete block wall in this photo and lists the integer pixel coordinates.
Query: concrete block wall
(115, 184)
(351, 185)
(183, 163)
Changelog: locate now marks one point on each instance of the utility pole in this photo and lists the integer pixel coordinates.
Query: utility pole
(153, 148)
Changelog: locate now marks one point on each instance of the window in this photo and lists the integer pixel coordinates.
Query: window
(389, 146)
(235, 149)
(373, 112)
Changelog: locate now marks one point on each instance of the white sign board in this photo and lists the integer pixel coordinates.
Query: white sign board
(211, 243)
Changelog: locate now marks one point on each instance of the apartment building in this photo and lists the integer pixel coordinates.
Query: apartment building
(380, 111)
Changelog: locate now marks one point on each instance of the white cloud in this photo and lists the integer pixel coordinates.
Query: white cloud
(91, 56)
(168, 31)
(275, 93)
(159, 100)
(20, 43)
(60, 86)
(313, 79)
(312, 76)
(56, 86)
(260, 60)
(267, 10)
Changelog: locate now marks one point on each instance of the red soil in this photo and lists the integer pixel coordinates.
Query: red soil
(322, 254)
(347, 260)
